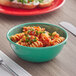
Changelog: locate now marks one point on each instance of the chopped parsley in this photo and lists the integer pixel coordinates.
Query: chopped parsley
(36, 32)
(28, 31)
(27, 35)
(40, 32)
(25, 1)
(44, 31)
(49, 34)
(34, 40)
(19, 0)
(11, 0)
(40, 1)
(32, 29)
(30, 41)
(27, 40)
(22, 1)
(52, 37)
(30, 0)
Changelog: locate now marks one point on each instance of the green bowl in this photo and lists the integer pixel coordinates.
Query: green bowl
(41, 54)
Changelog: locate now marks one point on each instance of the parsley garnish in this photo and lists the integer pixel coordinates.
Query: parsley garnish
(30, 0)
(40, 32)
(11, 0)
(32, 29)
(27, 40)
(34, 40)
(40, 1)
(22, 1)
(28, 31)
(52, 37)
(49, 34)
(19, 0)
(36, 32)
(44, 31)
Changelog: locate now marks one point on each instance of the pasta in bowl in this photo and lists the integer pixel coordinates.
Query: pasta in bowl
(36, 37)
(37, 42)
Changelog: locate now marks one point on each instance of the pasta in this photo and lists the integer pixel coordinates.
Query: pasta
(17, 37)
(37, 37)
(37, 44)
(45, 38)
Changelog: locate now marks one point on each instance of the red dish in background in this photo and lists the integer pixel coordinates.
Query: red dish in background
(37, 11)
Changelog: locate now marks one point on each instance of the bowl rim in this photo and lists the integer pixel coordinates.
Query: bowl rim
(64, 42)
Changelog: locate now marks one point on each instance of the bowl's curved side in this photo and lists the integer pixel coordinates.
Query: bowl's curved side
(36, 54)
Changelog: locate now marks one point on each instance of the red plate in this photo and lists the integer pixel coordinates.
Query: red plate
(23, 12)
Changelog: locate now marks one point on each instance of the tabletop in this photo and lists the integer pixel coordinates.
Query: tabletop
(65, 63)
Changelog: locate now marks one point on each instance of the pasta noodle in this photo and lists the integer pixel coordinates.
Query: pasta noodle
(59, 40)
(37, 44)
(37, 37)
(22, 43)
(17, 37)
(45, 38)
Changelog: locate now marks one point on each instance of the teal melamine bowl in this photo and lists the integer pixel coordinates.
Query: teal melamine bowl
(41, 54)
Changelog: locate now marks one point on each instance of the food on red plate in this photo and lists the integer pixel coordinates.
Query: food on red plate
(36, 37)
(26, 4)
(45, 3)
